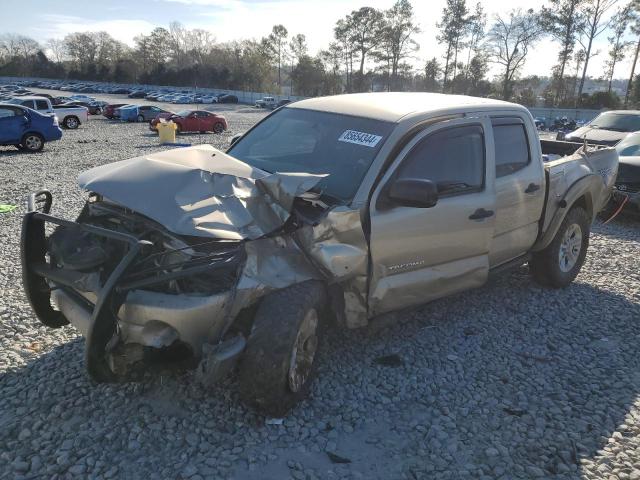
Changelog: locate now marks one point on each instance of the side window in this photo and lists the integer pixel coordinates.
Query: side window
(41, 105)
(454, 159)
(27, 103)
(7, 112)
(512, 148)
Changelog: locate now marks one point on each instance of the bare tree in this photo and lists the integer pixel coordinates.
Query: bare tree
(56, 49)
(593, 12)
(398, 32)
(509, 40)
(563, 20)
(635, 28)
(616, 40)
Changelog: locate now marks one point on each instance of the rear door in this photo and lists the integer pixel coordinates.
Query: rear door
(12, 123)
(419, 254)
(519, 188)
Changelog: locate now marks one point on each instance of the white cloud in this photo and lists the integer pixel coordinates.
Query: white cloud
(57, 26)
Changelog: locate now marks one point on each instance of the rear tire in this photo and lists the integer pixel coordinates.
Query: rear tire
(140, 118)
(218, 128)
(560, 262)
(32, 142)
(278, 364)
(71, 122)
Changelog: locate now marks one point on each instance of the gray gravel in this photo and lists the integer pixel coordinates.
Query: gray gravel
(507, 381)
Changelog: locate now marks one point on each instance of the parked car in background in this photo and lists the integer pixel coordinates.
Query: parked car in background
(94, 108)
(109, 110)
(627, 187)
(117, 113)
(541, 123)
(137, 94)
(266, 102)
(68, 116)
(227, 99)
(27, 129)
(608, 128)
(141, 113)
(195, 121)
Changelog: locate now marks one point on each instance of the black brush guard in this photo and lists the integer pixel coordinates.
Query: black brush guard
(36, 270)
(104, 323)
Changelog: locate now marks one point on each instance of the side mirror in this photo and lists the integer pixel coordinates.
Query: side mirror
(413, 192)
(234, 139)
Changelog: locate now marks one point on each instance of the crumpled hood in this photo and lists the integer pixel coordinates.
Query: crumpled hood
(596, 135)
(201, 191)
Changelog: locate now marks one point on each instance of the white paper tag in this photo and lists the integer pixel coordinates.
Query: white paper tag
(360, 138)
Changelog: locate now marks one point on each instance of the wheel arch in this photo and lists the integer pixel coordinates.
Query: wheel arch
(580, 194)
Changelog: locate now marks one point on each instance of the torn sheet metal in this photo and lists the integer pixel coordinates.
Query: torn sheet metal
(338, 247)
(201, 191)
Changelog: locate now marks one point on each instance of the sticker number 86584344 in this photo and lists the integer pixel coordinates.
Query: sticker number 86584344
(360, 138)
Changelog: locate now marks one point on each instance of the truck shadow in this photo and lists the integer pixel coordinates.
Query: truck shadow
(531, 378)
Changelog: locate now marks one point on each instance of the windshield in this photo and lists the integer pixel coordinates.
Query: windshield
(618, 122)
(14, 101)
(307, 141)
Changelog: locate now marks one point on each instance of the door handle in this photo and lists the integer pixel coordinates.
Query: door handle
(532, 188)
(481, 213)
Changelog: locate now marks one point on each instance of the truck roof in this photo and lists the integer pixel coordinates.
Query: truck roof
(31, 97)
(393, 106)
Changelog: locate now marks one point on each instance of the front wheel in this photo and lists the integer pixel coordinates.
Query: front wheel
(558, 265)
(140, 118)
(278, 363)
(33, 142)
(218, 128)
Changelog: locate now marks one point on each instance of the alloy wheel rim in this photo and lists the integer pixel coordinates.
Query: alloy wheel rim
(71, 123)
(32, 142)
(570, 247)
(304, 351)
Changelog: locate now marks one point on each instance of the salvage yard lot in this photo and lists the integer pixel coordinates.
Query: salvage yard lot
(507, 381)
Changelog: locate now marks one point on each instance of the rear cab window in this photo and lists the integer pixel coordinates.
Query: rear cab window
(511, 145)
(42, 105)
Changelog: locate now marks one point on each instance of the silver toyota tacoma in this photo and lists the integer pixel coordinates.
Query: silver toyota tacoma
(340, 208)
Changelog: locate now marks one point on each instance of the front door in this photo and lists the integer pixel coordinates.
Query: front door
(420, 254)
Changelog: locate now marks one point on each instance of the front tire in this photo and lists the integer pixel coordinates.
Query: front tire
(218, 128)
(278, 363)
(140, 118)
(560, 262)
(32, 142)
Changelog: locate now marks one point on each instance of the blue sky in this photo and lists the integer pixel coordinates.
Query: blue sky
(238, 19)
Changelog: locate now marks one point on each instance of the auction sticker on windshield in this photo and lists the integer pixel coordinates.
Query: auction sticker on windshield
(360, 138)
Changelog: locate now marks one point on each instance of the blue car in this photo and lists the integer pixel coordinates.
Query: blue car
(27, 129)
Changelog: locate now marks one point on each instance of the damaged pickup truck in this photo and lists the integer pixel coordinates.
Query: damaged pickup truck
(343, 208)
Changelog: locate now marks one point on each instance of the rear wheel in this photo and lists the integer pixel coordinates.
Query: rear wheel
(33, 142)
(218, 128)
(71, 122)
(559, 264)
(278, 363)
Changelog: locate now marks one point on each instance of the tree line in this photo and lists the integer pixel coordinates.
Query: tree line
(372, 49)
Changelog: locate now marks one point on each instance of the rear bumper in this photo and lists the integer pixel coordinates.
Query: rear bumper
(117, 313)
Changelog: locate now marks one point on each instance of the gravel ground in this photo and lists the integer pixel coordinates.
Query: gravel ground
(507, 381)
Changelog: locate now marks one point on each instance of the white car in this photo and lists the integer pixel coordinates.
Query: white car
(209, 99)
(68, 116)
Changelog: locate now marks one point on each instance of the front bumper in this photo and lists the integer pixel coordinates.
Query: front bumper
(119, 312)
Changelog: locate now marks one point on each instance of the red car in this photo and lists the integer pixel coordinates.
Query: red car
(194, 121)
(109, 110)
